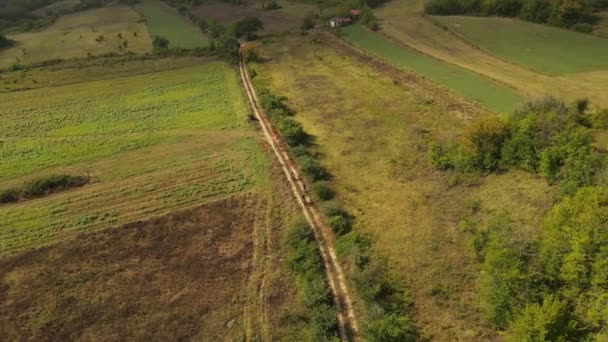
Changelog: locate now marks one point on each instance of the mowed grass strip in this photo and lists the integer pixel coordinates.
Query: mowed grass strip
(543, 48)
(164, 21)
(494, 96)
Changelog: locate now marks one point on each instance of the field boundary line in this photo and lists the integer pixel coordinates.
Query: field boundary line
(347, 323)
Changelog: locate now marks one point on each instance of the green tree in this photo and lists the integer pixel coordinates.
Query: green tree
(5, 42)
(228, 48)
(160, 43)
(368, 18)
(215, 29)
(484, 140)
(390, 328)
(246, 28)
(550, 321)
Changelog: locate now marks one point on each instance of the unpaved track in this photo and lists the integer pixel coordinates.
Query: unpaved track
(347, 323)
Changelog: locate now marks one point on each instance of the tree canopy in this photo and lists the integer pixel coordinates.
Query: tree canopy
(246, 27)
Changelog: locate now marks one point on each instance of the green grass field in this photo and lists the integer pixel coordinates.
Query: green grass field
(152, 143)
(543, 48)
(164, 21)
(77, 35)
(493, 95)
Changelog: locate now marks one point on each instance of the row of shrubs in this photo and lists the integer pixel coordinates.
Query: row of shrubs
(547, 137)
(575, 14)
(306, 263)
(384, 299)
(41, 187)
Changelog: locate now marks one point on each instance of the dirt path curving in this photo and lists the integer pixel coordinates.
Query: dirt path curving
(347, 323)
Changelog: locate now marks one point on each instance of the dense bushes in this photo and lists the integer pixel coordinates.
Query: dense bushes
(384, 300)
(554, 289)
(306, 263)
(5, 42)
(41, 187)
(564, 13)
(545, 136)
(246, 28)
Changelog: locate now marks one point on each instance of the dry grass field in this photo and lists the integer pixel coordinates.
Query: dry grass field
(371, 127)
(77, 36)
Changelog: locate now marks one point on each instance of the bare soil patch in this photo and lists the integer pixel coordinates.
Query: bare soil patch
(178, 277)
(275, 22)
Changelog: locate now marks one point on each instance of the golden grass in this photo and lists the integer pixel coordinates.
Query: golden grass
(74, 36)
(372, 134)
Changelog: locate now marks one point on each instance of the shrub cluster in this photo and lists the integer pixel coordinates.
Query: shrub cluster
(384, 299)
(546, 137)
(5, 42)
(294, 135)
(554, 289)
(576, 14)
(305, 262)
(41, 187)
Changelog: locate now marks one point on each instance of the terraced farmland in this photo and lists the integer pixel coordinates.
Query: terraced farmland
(151, 143)
(493, 95)
(543, 48)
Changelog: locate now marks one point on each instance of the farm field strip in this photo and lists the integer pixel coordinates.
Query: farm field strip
(543, 48)
(118, 115)
(493, 95)
(122, 201)
(152, 143)
(77, 35)
(164, 21)
(410, 27)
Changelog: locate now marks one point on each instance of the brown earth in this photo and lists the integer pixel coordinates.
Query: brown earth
(286, 19)
(175, 278)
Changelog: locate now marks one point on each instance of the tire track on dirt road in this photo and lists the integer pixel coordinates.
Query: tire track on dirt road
(347, 323)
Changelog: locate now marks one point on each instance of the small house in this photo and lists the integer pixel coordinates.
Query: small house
(355, 13)
(340, 21)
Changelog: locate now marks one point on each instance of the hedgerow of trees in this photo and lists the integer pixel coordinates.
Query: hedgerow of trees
(576, 14)
(546, 137)
(554, 288)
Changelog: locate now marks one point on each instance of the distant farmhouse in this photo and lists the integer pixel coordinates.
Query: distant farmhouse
(340, 21)
(343, 21)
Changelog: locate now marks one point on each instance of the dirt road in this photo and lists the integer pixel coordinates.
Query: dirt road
(347, 323)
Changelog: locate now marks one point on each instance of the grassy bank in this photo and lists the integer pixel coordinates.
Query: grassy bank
(494, 96)
(546, 49)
